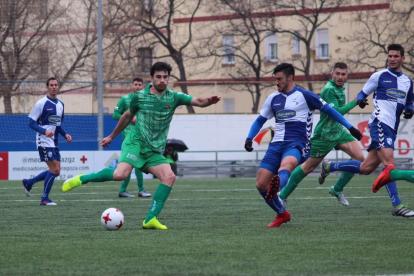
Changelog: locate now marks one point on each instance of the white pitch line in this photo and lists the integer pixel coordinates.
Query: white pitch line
(325, 187)
(193, 199)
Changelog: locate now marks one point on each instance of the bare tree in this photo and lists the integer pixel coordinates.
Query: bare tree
(24, 26)
(251, 22)
(43, 38)
(309, 15)
(153, 22)
(376, 30)
(240, 38)
(76, 53)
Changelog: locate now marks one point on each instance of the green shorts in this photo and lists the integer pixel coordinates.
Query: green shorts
(320, 148)
(140, 157)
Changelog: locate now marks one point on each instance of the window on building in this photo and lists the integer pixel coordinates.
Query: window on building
(144, 60)
(228, 105)
(43, 71)
(296, 43)
(228, 49)
(145, 6)
(148, 6)
(322, 43)
(271, 46)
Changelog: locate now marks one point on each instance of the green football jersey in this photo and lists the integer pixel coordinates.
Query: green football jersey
(327, 128)
(120, 109)
(154, 114)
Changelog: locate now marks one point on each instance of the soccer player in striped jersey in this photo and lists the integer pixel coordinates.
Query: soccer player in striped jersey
(393, 95)
(121, 107)
(329, 135)
(154, 108)
(293, 108)
(46, 119)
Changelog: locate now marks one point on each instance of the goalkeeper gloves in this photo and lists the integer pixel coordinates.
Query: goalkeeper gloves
(248, 145)
(408, 114)
(355, 132)
(362, 103)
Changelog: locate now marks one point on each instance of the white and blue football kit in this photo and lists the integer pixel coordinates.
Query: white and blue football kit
(293, 113)
(47, 114)
(393, 92)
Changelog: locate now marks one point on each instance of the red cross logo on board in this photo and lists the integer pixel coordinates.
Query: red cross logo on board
(167, 106)
(83, 159)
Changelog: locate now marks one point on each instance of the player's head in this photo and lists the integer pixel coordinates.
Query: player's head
(50, 79)
(284, 75)
(137, 84)
(395, 56)
(52, 86)
(160, 66)
(396, 47)
(340, 73)
(160, 74)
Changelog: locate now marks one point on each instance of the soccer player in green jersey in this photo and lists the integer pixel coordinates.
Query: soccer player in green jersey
(329, 135)
(121, 108)
(154, 108)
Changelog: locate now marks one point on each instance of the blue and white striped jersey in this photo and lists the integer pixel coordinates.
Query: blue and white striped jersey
(48, 114)
(293, 113)
(393, 91)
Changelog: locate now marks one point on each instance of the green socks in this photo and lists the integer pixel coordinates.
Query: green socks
(402, 175)
(295, 178)
(342, 181)
(124, 184)
(160, 196)
(140, 180)
(106, 174)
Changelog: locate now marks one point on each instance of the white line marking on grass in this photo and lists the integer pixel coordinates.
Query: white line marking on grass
(191, 199)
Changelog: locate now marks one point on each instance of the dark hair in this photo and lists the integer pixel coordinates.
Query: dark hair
(286, 68)
(160, 66)
(52, 78)
(138, 79)
(340, 65)
(396, 47)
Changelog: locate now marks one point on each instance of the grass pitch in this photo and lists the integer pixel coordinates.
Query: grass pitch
(216, 227)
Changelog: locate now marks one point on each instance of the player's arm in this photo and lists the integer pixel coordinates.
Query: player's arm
(331, 99)
(314, 102)
(254, 130)
(340, 119)
(34, 116)
(33, 125)
(204, 102)
(62, 132)
(369, 87)
(125, 120)
(119, 109)
(408, 108)
(266, 113)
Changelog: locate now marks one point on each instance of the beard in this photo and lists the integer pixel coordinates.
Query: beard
(284, 88)
(160, 87)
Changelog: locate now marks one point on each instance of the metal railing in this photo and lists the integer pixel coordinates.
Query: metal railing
(228, 164)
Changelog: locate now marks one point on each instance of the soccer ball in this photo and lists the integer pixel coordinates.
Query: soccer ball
(112, 219)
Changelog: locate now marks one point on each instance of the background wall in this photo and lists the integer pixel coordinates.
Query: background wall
(199, 132)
